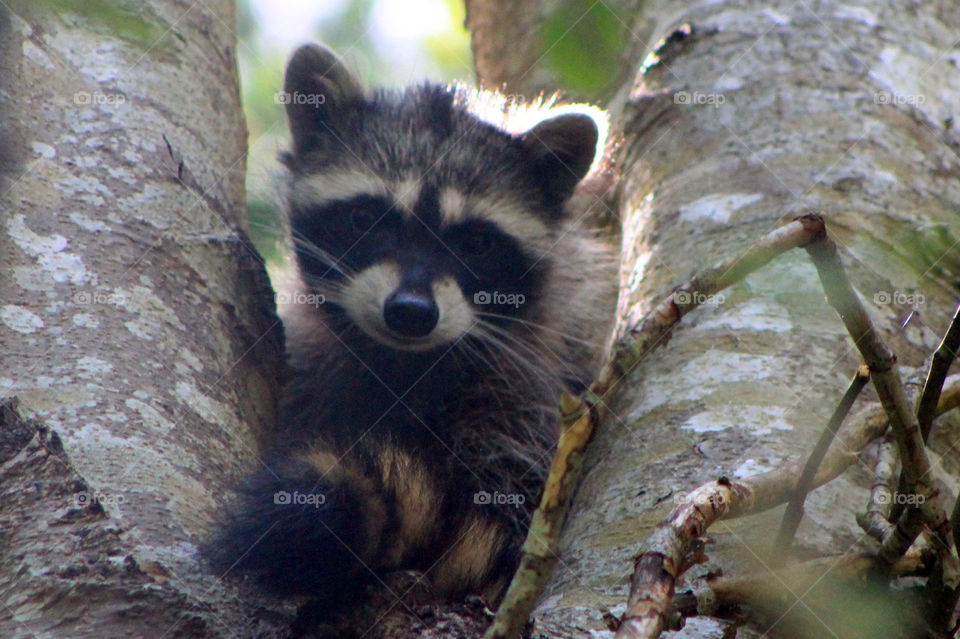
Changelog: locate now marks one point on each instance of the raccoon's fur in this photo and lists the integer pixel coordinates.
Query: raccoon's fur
(460, 296)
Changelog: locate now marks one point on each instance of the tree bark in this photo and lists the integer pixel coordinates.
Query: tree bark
(141, 355)
(750, 116)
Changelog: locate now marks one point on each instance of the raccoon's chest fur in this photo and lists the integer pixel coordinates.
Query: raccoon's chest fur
(460, 298)
(478, 424)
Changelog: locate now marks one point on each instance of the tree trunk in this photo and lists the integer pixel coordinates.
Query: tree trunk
(141, 353)
(752, 116)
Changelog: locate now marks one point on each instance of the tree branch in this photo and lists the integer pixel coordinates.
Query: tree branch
(674, 543)
(579, 416)
(875, 522)
(886, 380)
(794, 511)
(932, 387)
(658, 566)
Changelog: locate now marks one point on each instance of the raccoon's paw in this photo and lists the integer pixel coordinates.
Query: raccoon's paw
(411, 588)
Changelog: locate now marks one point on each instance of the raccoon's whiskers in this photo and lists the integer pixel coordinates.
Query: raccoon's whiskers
(304, 245)
(522, 355)
(332, 290)
(541, 327)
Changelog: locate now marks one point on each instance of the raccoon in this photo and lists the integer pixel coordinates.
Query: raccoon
(460, 296)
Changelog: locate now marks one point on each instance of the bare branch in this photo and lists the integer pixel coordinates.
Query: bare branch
(875, 522)
(665, 552)
(540, 548)
(942, 359)
(656, 326)
(794, 511)
(886, 379)
(674, 543)
(580, 415)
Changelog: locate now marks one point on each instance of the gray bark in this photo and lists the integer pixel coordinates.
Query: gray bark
(767, 111)
(140, 350)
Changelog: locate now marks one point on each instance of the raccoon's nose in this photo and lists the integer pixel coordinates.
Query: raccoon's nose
(410, 314)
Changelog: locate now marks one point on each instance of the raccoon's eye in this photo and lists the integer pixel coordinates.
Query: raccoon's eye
(476, 243)
(363, 219)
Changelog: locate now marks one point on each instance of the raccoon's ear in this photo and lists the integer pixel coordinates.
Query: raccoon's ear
(316, 85)
(561, 150)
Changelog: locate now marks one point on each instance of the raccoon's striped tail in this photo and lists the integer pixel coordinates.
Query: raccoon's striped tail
(300, 531)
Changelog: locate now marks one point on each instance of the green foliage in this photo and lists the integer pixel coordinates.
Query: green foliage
(450, 51)
(834, 607)
(125, 19)
(266, 230)
(583, 46)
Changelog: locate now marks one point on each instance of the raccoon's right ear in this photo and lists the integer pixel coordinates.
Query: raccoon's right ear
(316, 85)
(560, 151)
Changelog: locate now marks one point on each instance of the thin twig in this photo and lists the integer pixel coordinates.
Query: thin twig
(886, 380)
(674, 543)
(649, 604)
(671, 547)
(539, 553)
(932, 386)
(925, 509)
(794, 510)
(580, 416)
(930, 396)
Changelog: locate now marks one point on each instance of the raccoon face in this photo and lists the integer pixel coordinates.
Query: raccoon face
(419, 221)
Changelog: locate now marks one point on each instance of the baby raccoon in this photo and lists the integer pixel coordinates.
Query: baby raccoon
(460, 297)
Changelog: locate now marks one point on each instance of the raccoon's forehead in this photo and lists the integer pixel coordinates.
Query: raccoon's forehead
(421, 132)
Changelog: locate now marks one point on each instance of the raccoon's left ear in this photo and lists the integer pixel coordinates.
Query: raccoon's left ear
(560, 151)
(317, 86)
